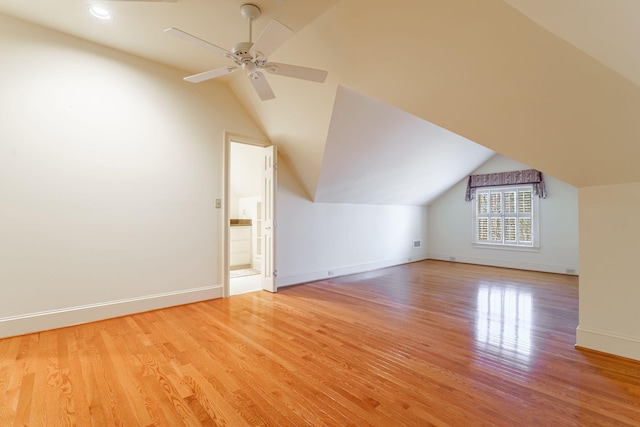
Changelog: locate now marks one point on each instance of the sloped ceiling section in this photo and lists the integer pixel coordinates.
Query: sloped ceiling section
(378, 154)
(606, 30)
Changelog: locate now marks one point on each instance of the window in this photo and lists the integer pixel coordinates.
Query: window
(505, 216)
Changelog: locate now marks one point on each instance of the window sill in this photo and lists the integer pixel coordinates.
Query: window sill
(506, 247)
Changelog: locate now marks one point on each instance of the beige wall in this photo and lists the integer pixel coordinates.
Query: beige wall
(609, 280)
(109, 169)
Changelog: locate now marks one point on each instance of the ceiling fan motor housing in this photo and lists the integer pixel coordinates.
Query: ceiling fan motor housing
(242, 49)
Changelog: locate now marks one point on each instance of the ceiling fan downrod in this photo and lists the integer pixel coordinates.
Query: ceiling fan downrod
(250, 12)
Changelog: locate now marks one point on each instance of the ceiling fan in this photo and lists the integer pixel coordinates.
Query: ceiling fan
(251, 57)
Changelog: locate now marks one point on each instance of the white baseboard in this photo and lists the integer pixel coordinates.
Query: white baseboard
(608, 343)
(53, 319)
(547, 268)
(345, 270)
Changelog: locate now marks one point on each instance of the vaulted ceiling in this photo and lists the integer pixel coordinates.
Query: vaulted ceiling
(420, 92)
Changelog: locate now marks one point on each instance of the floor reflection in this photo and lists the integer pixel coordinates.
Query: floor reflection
(504, 322)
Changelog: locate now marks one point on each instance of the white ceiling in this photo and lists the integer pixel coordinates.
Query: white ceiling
(340, 141)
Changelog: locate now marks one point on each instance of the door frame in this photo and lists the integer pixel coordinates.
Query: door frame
(230, 137)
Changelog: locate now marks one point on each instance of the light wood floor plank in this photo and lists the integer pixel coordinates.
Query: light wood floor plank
(428, 343)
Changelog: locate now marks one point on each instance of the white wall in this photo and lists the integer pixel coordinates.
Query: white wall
(247, 208)
(245, 176)
(315, 238)
(451, 219)
(109, 168)
(609, 279)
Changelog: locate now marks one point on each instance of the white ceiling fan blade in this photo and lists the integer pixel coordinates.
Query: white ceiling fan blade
(193, 39)
(297, 72)
(274, 34)
(261, 85)
(211, 74)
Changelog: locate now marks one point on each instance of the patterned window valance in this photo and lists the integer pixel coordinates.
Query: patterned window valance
(529, 176)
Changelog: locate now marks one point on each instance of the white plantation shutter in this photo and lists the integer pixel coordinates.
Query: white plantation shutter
(510, 230)
(524, 202)
(496, 229)
(482, 216)
(505, 216)
(524, 211)
(483, 229)
(510, 202)
(510, 217)
(483, 203)
(525, 235)
(496, 202)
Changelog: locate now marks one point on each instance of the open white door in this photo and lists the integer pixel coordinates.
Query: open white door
(269, 154)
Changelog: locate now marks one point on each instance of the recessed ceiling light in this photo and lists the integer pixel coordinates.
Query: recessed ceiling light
(99, 12)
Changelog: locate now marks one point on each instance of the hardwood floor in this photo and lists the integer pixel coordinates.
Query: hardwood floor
(428, 343)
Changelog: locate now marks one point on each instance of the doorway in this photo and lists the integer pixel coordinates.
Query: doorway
(245, 223)
(249, 208)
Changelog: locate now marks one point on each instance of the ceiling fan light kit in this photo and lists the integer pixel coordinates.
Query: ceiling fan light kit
(251, 57)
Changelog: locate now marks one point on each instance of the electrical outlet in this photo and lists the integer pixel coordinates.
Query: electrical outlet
(330, 273)
(218, 203)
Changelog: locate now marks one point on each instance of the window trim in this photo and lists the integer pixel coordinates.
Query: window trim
(535, 220)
